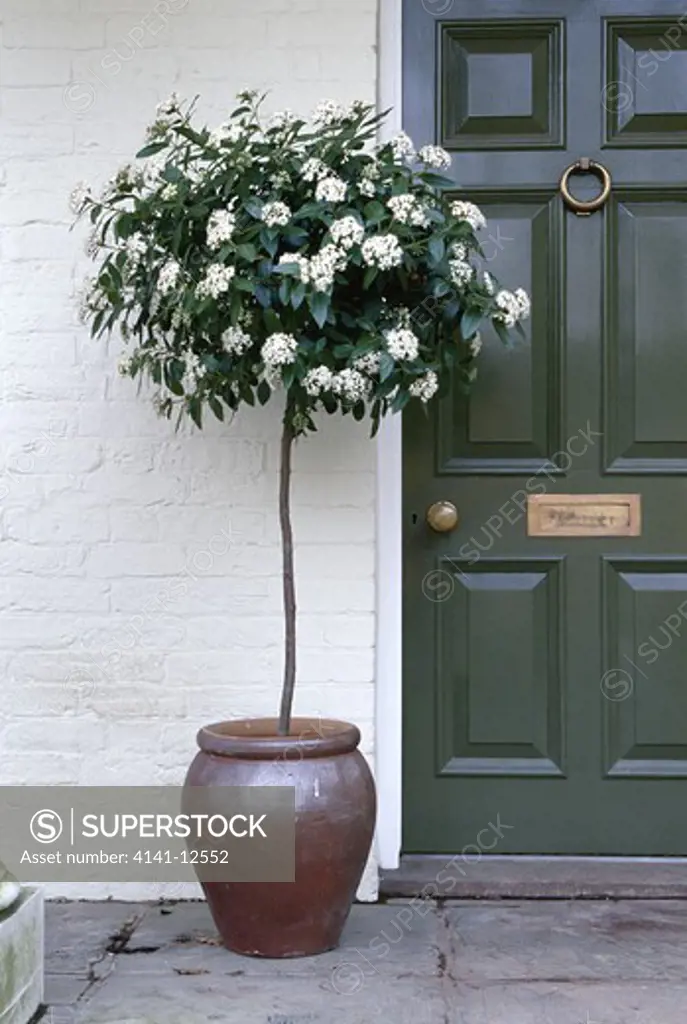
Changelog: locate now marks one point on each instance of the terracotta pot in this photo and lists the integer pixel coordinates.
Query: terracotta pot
(335, 817)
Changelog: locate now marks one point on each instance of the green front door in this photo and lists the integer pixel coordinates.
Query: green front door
(545, 676)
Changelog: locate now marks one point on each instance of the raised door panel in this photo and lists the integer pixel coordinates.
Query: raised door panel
(645, 90)
(475, 111)
(512, 421)
(644, 686)
(499, 684)
(645, 411)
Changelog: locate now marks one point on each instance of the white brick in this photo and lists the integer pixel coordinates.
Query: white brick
(22, 142)
(21, 593)
(51, 32)
(39, 67)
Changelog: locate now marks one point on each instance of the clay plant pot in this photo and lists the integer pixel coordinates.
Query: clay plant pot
(335, 818)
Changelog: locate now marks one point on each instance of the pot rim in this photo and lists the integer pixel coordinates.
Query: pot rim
(257, 739)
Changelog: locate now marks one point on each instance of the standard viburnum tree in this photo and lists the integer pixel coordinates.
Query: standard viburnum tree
(290, 257)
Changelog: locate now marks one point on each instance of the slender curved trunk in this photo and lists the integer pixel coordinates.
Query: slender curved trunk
(287, 439)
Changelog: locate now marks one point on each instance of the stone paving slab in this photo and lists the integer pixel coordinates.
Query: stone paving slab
(541, 1003)
(79, 933)
(470, 962)
(191, 1000)
(570, 940)
(186, 939)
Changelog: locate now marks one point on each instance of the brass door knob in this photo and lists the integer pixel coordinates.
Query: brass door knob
(442, 516)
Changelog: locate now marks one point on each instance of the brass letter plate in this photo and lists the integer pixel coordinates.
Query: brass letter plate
(584, 515)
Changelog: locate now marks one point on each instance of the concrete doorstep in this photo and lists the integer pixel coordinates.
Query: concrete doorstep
(507, 962)
(21, 958)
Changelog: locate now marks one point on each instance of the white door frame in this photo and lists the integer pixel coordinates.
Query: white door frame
(389, 548)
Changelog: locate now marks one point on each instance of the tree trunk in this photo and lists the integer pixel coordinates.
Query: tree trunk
(288, 577)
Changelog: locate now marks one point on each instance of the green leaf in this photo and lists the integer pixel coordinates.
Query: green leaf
(308, 210)
(437, 249)
(151, 150)
(359, 411)
(124, 225)
(264, 392)
(172, 173)
(400, 401)
(502, 332)
(263, 295)
(216, 407)
(298, 295)
(386, 366)
(246, 251)
(319, 307)
(370, 275)
(436, 180)
(374, 211)
(195, 409)
(272, 321)
(469, 323)
(289, 269)
(269, 240)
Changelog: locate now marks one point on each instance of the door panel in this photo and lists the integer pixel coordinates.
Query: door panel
(545, 678)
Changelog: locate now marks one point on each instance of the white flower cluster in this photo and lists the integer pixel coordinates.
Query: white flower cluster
(280, 120)
(347, 232)
(331, 189)
(91, 299)
(425, 387)
(235, 341)
(488, 282)
(278, 350)
(135, 247)
(216, 281)
(313, 169)
(168, 277)
(463, 210)
(461, 271)
(475, 345)
(317, 380)
(221, 224)
(350, 385)
(193, 372)
(276, 214)
(324, 265)
(150, 171)
(409, 210)
(302, 262)
(435, 156)
(402, 344)
(169, 191)
(125, 366)
(79, 196)
(327, 113)
(513, 306)
(227, 132)
(402, 147)
(382, 251)
(370, 174)
(320, 270)
(367, 363)
(180, 318)
(169, 107)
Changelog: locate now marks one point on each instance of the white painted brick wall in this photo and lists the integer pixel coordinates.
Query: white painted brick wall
(139, 583)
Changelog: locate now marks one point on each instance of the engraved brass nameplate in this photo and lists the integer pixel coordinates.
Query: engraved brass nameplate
(584, 515)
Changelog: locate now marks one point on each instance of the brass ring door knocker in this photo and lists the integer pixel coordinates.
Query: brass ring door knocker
(585, 166)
